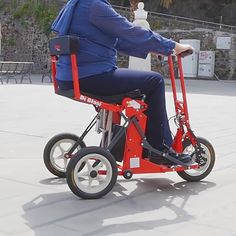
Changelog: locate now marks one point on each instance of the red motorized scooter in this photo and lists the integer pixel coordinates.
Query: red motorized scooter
(91, 172)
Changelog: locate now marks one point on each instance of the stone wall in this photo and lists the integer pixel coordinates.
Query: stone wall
(225, 64)
(24, 41)
(225, 61)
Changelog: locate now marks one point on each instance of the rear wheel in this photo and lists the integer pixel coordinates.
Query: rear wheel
(55, 151)
(204, 155)
(92, 173)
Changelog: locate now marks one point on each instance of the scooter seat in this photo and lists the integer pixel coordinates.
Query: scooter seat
(114, 99)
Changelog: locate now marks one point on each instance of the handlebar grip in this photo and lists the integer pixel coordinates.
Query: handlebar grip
(186, 53)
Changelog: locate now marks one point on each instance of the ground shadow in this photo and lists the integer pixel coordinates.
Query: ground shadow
(53, 181)
(120, 211)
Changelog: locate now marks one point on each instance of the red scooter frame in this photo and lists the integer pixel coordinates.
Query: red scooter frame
(133, 160)
(181, 109)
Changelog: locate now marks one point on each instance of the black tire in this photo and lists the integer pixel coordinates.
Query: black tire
(51, 145)
(78, 173)
(207, 152)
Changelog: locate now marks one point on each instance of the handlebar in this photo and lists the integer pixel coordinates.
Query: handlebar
(186, 53)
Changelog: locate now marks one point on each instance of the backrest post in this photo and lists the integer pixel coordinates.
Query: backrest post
(75, 75)
(53, 64)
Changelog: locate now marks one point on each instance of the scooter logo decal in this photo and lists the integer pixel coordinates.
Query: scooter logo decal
(58, 47)
(90, 100)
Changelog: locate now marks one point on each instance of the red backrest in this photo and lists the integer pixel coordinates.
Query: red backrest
(69, 45)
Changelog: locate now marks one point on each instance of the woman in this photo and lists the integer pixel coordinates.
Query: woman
(102, 32)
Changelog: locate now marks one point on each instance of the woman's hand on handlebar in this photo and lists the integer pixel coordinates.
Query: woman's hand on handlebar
(183, 49)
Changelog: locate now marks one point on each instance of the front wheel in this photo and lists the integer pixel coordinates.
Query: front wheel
(92, 173)
(204, 155)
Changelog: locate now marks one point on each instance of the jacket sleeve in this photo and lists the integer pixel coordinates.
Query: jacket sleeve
(132, 40)
(130, 49)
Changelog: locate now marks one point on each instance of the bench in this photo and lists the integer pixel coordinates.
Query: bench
(46, 70)
(12, 69)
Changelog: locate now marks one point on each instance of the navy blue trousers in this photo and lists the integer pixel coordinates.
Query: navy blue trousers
(125, 80)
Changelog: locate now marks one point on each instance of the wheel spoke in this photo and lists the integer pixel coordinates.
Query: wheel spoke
(71, 144)
(100, 179)
(96, 168)
(61, 149)
(59, 157)
(88, 165)
(90, 181)
(65, 163)
(86, 173)
(96, 163)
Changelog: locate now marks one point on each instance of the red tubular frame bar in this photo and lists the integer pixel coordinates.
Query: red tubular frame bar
(54, 71)
(181, 107)
(183, 91)
(75, 75)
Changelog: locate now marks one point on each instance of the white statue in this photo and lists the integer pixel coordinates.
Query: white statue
(140, 16)
(141, 20)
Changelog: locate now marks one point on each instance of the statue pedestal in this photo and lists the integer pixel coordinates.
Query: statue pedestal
(136, 63)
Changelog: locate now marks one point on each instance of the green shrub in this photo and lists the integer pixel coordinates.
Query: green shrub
(155, 25)
(42, 13)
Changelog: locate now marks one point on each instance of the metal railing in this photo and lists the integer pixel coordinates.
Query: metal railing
(186, 20)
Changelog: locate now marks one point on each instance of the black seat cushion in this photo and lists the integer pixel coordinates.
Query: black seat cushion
(114, 99)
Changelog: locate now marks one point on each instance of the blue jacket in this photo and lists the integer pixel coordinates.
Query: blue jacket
(102, 32)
